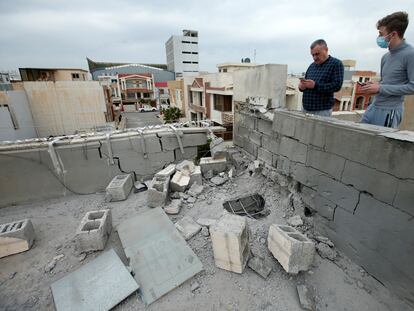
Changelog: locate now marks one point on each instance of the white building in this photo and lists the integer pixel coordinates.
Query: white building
(182, 53)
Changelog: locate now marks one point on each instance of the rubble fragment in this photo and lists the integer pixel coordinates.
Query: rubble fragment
(195, 190)
(174, 207)
(16, 237)
(186, 167)
(195, 286)
(218, 181)
(206, 222)
(205, 232)
(187, 227)
(259, 266)
(325, 240)
(230, 239)
(179, 182)
(119, 187)
(158, 192)
(196, 176)
(305, 298)
(293, 250)
(166, 172)
(140, 187)
(295, 221)
(209, 174)
(218, 148)
(326, 252)
(216, 165)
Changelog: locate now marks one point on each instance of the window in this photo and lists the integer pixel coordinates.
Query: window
(194, 52)
(186, 62)
(361, 79)
(223, 103)
(75, 76)
(184, 52)
(225, 70)
(366, 79)
(185, 42)
(194, 42)
(146, 95)
(194, 62)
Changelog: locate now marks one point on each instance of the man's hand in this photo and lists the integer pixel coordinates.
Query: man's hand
(370, 88)
(306, 84)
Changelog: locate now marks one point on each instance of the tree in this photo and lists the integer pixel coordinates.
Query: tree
(172, 114)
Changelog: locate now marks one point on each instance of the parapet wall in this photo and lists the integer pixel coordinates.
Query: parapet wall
(28, 172)
(357, 179)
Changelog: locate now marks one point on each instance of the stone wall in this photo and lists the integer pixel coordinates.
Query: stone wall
(29, 174)
(357, 179)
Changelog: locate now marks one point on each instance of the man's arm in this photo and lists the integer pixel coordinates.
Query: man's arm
(401, 89)
(337, 80)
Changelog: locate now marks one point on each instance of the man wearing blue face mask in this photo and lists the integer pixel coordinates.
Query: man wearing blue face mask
(397, 73)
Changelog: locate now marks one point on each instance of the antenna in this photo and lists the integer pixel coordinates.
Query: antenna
(254, 56)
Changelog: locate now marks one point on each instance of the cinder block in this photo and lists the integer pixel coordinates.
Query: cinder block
(283, 165)
(238, 140)
(243, 131)
(158, 192)
(284, 124)
(218, 149)
(16, 237)
(93, 231)
(195, 176)
(321, 205)
(250, 147)
(326, 162)
(169, 141)
(256, 138)
(293, 150)
(185, 167)
(381, 185)
(166, 172)
(405, 196)
(190, 153)
(264, 126)
(179, 182)
(292, 249)
(120, 187)
(230, 239)
(215, 165)
(135, 144)
(310, 132)
(271, 143)
(265, 156)
(248, 120)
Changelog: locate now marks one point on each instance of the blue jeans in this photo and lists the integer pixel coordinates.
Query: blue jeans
(382, 116)
(322, 113)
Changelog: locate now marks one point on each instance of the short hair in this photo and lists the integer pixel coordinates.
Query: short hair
(397, 21)
(320, 42)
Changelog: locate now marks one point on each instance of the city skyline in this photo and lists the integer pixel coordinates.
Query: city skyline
(58, 34)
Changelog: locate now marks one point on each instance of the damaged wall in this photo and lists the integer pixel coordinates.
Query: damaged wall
(356, 178)
(29, 175)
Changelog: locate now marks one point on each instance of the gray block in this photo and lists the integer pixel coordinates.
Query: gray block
(158, 192)
(293, 150)
(157, 253)
(265, 127)
(196, 176)
(255, 137)
(305, 298)
(345, 196)
(326, 162)
(271, 143)
(321, 205)
(311, 132)
(120, 187)
(250, 147)
(98, 285)
(166, 172)
(169, 141)
(179, 182)
(305, 174)
(259, 266)
(382, 186)
(215, 165)
(93, 231)
(190, 153)
(238, 140)
(187, 227)
(136, 143)
(243, 131)
(265, 156)
(404, 197)
(16, 237)
(293, 250)
(249, 121)
(284, 124)
(283, 165)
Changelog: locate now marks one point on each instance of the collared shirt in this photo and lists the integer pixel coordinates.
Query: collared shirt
(328, 78)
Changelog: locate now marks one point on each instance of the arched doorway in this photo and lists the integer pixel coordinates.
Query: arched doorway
(359, 103)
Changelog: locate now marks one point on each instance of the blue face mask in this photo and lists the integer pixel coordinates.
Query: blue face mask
(382, 43)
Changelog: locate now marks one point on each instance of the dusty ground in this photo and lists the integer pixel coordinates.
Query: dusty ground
(339, 285)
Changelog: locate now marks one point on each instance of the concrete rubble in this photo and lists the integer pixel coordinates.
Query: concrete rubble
(293, 250)
(305, 298)
(206, 222)
(325, 251)
(179, 182)
(215, 165)
(119, 187)
(16, 237)
(158, 192)
(174, 207)
(230, 240)
(93, 231)
(187, 227)
(295, 221)
(259, 266)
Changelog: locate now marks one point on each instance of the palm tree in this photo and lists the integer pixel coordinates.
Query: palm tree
(172, 114)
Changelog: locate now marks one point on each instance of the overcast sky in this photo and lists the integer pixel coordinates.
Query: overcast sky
(54, 33)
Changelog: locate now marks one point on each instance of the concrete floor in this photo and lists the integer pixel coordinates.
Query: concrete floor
(141, 119)
(339, 285)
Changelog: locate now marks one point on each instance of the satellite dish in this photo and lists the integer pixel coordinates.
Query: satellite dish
(247, 60)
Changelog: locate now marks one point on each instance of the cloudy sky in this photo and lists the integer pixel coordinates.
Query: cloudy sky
(54, 33)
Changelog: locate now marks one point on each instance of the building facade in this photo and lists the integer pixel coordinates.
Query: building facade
(182, 54)
(53, 74)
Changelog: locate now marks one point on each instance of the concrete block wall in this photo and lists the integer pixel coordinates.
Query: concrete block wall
(29, 175)
(358, 182)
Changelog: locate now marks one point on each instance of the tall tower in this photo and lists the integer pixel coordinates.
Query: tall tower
(182, 53)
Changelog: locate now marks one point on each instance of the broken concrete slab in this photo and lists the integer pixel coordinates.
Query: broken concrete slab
(166, 172)
(186, 167)
(187, 227)
(16, 237)
(218, 181)
(158, 192)
(119, 187)
(295, 221)
(293, 250)
(98, 285)
(216, 165)
(230, 239)
(158, 254)
(93, 231)
(179, 182)
(218, 148)
(174, 207)
(305, 298)
(259, 266)
(206, 222)
(195, 190)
